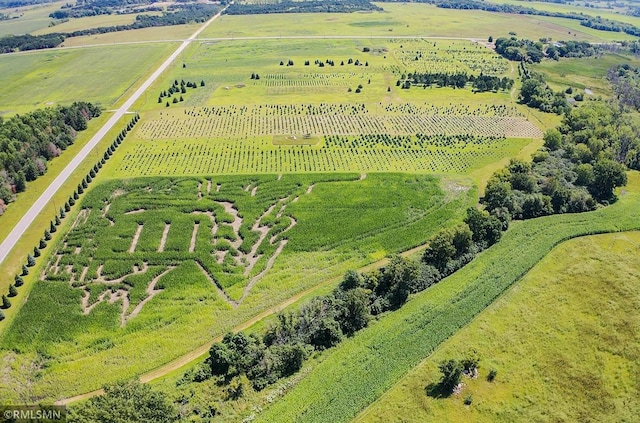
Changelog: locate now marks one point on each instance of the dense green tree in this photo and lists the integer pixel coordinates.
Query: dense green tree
(5, 302)
(552, 139)
(352, 309)
(126, 402)
(451, 374)
(12, 291)
(607, 175)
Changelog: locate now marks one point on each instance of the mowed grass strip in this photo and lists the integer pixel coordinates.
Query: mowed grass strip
(362, 368)
(564, 342)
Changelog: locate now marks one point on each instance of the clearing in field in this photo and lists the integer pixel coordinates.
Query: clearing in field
(564, 344)
(157, 267)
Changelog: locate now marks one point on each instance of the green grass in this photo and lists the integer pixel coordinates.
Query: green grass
(89, 22)
(100, 75)
(362, 368)
(28, 18)
(583, 73)
(404, 20)
(83, 351)
(154, 34)
(564, 342)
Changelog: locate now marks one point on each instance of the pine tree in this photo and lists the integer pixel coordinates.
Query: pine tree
(12, 291)
(18, 281)
(36, 252)
(25, 271)
(30, 261)
(52, 227)
(42, 244)
(5, 302)
(1, 315)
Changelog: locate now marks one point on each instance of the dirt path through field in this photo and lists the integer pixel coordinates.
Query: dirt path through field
(204, 349)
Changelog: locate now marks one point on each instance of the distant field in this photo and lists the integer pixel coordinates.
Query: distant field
(583, 73)
(92, 22)
(403, 20)
(564, 342)
(28, 18)
(570, 7)
(165, 33)
(198, 256)
(99, 75)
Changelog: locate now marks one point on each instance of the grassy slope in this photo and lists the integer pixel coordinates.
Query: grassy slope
(565, 342)
(364, 367)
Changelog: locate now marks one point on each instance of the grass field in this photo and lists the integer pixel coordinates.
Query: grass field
(89, 22)
(154, 34)
(362, 368)
(407, 19)
(564, 342)
(97, 258)
(28, 18)
(99, 75)
(583, 73)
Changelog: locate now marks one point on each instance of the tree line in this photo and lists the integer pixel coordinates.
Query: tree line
(312, 6)
(103, 7)
(533, 52)
(480, 83)
(29, 141)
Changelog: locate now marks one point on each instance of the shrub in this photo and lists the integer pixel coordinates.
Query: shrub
(492, 375)
(468, 400)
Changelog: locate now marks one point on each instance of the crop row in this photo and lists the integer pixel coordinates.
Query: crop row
(238, 126)
(362, 154)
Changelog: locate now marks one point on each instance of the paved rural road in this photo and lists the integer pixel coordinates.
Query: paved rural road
(21, 227)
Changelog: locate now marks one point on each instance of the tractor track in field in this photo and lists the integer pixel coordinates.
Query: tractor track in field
(200, 351)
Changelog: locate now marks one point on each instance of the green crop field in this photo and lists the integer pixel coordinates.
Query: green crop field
(362, 368)
(406, 19)
(564, 342)
(64, 76)
(153, 268)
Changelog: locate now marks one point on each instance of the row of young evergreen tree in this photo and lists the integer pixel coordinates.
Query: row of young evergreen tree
(480, 83)
(5, 301)
(29, 141)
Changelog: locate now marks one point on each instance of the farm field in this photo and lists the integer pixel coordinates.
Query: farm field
(407, 20)
(88, 22)
(64, 76)
(575, 8)
(564, 342)
(362, 368)
(187, 254)
(152, 34)
(382, 128)
(29, 18)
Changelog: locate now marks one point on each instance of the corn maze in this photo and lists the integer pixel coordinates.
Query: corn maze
(129, 236)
